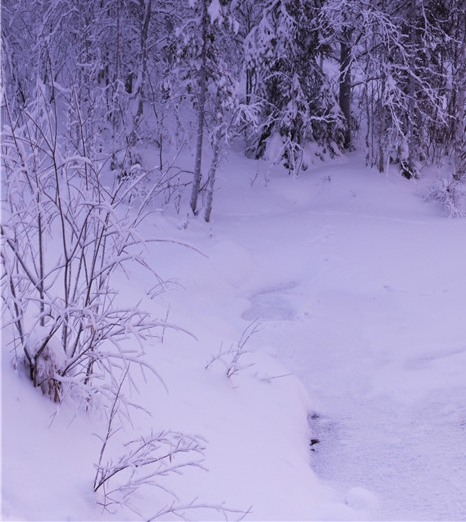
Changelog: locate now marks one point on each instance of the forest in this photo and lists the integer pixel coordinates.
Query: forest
(111, 108)
(293, 78)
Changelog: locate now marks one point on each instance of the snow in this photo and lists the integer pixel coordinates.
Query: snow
(356, 288)
(214, 10)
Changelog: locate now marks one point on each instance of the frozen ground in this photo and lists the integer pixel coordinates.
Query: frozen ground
(358, 288)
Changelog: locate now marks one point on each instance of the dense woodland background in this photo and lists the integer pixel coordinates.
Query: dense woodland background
(287, 72)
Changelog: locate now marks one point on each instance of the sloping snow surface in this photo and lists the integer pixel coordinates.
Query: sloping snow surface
(350, 401)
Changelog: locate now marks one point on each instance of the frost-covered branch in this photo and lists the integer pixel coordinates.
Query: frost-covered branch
(65, 308)
(231, 358)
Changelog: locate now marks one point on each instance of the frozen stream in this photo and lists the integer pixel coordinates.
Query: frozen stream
(368, 308)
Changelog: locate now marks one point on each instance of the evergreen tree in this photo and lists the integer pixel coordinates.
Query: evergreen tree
(201, 74)
(282, 58)
(394, 49)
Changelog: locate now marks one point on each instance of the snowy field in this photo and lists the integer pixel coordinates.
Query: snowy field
(347, 398)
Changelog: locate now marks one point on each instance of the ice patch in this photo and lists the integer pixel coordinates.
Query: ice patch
(272, 303)
(361, 499)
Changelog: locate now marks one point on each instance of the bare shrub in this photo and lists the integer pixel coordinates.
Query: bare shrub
(451, 195)
(125, 467)
(67, 236)
(142, 461)
(232, 358)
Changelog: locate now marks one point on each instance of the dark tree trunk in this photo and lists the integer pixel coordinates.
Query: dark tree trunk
(407, 164)
(345, 86)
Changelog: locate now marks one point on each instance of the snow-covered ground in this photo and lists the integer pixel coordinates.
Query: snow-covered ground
(354, 290)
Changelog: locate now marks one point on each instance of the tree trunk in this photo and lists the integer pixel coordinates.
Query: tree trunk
(381, 130)
(345, 85)
(201, 100)
(217, 142)
(407, 163)
(145, 6)
(460, 128)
